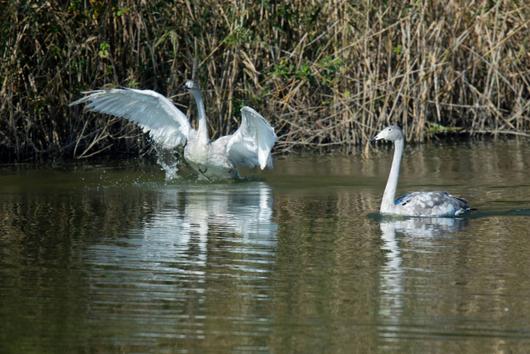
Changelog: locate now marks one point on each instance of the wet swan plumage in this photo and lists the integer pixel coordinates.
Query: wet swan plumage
(424, 204)
(249, 146)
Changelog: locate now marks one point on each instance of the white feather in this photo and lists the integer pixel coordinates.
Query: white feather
(251, 144)
(154, 113)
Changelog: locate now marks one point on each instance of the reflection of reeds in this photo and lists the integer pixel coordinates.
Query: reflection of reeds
(327, 74)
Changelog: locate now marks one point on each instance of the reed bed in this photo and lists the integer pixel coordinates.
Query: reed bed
(327, 74)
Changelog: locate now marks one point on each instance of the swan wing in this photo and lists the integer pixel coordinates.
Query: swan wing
(433, 203)
(251, 144)
(154, 113)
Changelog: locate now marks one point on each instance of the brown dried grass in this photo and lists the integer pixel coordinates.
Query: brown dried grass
(326, 74)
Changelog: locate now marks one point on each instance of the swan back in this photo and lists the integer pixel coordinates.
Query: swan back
(439, 204)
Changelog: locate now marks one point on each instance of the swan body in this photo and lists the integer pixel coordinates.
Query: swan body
(249, 146)
(422, 204)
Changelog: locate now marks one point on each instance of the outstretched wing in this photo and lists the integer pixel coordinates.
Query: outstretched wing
(154, 113)
(251, 144)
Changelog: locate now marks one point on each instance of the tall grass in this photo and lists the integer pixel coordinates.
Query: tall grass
(325, 73)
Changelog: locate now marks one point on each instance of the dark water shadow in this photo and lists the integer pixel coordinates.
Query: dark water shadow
(476, 214)
(502, 213)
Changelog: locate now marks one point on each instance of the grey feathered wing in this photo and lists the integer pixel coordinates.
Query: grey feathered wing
(251, 144)
(154, 113)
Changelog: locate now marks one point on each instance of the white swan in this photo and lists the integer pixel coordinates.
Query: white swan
(249, 146)
(430, 204)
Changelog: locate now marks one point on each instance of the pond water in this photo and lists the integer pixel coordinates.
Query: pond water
(111, 258)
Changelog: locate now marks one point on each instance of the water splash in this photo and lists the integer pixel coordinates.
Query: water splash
(169, 161)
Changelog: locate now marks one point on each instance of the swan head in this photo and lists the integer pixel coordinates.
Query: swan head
(191, 85)
(390, 133)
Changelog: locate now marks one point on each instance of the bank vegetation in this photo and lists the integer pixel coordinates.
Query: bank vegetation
(327, 74)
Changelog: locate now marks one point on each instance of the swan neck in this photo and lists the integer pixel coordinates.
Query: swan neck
(202, 132)
(389, 195)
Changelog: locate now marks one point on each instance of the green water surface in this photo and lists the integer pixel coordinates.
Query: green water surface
(111, 258)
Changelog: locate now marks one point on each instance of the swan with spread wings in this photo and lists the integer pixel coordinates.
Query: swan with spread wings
(249, 146)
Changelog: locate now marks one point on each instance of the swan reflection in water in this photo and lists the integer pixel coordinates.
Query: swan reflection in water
(189, 234)
(392, 280)
(190, 217)
(183, 219)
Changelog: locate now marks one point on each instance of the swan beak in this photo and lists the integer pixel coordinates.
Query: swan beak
(376, 138)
